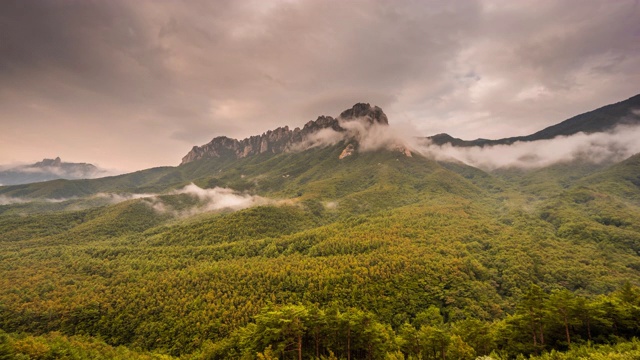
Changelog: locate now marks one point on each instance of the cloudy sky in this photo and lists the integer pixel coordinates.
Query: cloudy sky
(134, 84)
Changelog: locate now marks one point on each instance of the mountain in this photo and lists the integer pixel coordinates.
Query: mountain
(48, 169)
(606, 118)
(283, 139)
(301, 251)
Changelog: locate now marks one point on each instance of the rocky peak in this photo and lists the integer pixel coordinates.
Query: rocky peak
(48, 162)
(283, 139)
(361, 110)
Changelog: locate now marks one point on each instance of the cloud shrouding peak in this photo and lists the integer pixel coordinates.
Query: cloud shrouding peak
(134, 84)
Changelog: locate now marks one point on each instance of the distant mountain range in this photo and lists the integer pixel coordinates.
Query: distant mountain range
(277, 153)
(48, 169)
(601, 119)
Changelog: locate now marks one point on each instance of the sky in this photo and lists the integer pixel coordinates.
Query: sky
(129, 85)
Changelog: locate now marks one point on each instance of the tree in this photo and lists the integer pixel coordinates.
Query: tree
(533, 309)
(562, 303)
(282, 328)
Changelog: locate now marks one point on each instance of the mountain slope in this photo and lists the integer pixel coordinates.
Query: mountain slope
(598, 120)
(361, 256)
(380, 232)
(622, 179)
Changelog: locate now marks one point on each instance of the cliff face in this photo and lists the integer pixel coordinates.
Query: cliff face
(282, 139)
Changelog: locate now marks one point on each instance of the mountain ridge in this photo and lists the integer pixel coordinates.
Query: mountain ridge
(283, 139)
(602, 119)
(411, 241)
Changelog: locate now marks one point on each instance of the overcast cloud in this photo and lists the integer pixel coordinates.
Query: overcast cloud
(135, 84)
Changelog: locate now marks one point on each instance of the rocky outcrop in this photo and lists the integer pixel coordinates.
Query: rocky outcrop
(348, 151)
(49, 162)
(283, 139)
(365, 111)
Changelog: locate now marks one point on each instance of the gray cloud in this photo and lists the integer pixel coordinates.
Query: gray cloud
(134, 84)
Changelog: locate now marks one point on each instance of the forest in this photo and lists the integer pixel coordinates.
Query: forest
(379, 256)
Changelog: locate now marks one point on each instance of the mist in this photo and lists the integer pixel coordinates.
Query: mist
(221, 198)
(7, 200)
(208, 200)
(616, 145)
(10, 200)
(321, 138)
(370, 137)
(612, 146)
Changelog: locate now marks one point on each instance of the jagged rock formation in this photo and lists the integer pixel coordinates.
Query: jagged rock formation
(50, 162)
(348, 151)
(365, 111)
(283, 139)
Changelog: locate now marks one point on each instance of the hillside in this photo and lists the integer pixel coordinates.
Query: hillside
(306, 253)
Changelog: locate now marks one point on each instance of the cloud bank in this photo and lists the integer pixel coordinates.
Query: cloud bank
(208, 200)
(612, 146)
(220, 199)
(616, 145)
(10, 200)
(135, 84)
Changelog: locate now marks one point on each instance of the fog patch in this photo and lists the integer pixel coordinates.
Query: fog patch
(216, 199)
(321, 138)
(612, 146)
(208, 200)
(369, 136)
(7, 200)
(118, 198)
(222, 198)
(373, 137)
(330, 205)
(10, 200)
(66, 171)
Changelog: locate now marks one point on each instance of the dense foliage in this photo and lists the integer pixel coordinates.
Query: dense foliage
(374, 256)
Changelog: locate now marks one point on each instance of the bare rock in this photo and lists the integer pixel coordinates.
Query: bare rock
(283, 139)
(348, 151)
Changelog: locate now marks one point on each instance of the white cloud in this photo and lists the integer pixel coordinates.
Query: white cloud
(10, 200)
(120, 197)
(7, 200)
(321, 138)
(222, 198)
(615, 145)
